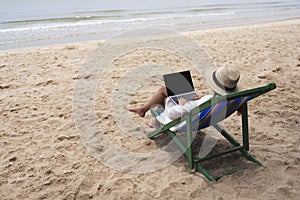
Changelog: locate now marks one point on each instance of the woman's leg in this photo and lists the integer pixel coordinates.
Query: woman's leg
(158, 98)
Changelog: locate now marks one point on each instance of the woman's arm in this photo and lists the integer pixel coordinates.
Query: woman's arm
(179, 109)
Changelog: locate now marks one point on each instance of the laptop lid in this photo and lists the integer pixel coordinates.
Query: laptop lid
(178, 83)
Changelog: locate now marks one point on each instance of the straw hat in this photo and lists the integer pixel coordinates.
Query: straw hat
(224, 80)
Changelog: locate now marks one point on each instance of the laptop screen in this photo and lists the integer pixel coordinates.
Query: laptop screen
(178, 83)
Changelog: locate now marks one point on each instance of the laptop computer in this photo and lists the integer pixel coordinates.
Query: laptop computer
(179, 85)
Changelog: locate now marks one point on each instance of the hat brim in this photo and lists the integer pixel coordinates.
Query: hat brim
(212, 85)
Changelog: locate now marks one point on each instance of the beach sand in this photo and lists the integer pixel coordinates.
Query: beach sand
(43, 155)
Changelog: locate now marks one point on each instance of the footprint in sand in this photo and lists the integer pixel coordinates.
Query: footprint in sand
(283, 192)
(5, 86)
(46, 83)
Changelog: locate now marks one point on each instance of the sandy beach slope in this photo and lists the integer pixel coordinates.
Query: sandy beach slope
(42, 155)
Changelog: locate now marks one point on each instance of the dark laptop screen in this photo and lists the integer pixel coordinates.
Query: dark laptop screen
(178, 83)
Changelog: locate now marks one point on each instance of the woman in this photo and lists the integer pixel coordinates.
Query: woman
(222, 81)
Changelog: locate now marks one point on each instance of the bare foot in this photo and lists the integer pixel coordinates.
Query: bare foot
(139, 110)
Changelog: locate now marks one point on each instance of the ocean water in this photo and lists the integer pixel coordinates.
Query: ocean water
(26, 23)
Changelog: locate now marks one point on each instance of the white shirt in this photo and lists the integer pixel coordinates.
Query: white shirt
(174, 111)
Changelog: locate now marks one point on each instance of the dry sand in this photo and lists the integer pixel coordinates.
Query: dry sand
(43, 156)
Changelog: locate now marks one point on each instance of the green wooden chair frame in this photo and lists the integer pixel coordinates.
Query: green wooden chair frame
(194, 162)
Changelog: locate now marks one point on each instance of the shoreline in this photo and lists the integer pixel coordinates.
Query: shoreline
(184, 32)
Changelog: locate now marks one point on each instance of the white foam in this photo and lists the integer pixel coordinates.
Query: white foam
(38, 27)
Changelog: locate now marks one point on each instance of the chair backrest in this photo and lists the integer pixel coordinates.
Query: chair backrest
(216, 113)
(253, 93)
(220, 107)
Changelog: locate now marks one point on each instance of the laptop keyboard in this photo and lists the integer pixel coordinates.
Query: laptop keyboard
(188, 96)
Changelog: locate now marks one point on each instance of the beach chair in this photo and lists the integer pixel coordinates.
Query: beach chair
(208, 114)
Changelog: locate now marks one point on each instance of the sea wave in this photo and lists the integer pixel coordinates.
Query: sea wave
(103, 11)
(92, 21)
(60, 19)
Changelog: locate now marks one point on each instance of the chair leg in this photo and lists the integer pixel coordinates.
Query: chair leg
(245, 129)
(250, 157)
(177, 141)
(155, 133)
(243, 149)
(205, 172)
(189, 151)
(226, 135)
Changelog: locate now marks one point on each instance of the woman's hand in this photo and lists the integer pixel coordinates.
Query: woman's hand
(197, 96)
(181, 101)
